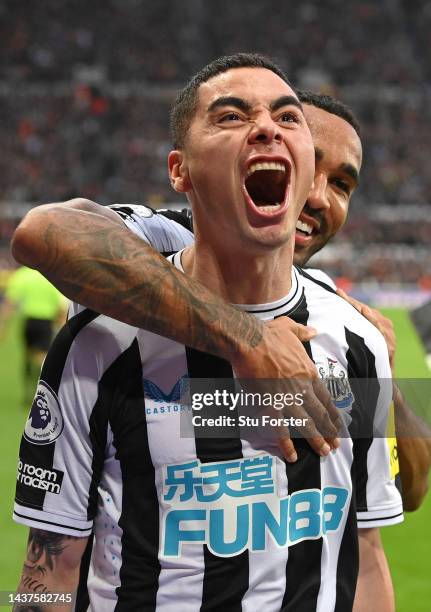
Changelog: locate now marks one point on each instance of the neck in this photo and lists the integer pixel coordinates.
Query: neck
(239, 278)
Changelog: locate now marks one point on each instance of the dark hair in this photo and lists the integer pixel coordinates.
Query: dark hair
(330, 105)
(185, 103)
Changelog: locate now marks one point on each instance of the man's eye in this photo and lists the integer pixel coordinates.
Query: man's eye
(230, 117)
(289, 117)
(343, 185)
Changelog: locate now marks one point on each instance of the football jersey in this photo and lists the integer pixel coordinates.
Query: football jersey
(321, 277)
(167, 231)
(193, 523)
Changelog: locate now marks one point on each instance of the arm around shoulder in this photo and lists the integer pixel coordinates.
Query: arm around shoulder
(36, 234)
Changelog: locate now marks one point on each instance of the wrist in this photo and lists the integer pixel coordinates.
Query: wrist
(242, 340)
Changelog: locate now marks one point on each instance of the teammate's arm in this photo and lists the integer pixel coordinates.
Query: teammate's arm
(87, 252)
(414, 452)
(51, 566)
(374, 589)
(413, 435)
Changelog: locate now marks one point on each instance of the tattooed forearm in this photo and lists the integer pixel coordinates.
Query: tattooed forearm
(51, 567)
(45, 546)
(102, 265)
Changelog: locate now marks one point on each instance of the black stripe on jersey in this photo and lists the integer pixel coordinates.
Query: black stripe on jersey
(225, 579)
(98, 433)
(360, 364)
(53, 366)
(52, 370)
(348, 556)
(183, 217)
(318, 282)
(303, 575)
(362, 374)
(399, 483)
(122, 387)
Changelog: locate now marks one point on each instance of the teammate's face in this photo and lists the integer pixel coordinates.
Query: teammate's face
(248, 161)
(338, 161)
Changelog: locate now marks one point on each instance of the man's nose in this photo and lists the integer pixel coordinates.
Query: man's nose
(318, 197)
(265, 130)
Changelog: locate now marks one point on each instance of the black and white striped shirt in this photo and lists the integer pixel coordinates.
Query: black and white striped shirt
(102, 454)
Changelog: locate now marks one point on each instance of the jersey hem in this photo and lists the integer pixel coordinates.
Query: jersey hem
(52, 522)
(380, 518)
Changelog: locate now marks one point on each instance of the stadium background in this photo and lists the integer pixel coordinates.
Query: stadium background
(84, 95)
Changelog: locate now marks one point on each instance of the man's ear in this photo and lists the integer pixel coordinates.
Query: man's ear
(178, 172)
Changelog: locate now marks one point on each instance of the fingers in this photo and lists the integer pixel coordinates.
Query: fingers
(319, 430)
(314, 439)
(318, 444)
(322, 393)
(320, 422)
(343, 295)
(302, 332)
(286, 444)
(355, 303)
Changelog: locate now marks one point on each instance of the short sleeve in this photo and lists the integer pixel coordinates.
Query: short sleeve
(63, 445)
(166, 231)
(378, 498)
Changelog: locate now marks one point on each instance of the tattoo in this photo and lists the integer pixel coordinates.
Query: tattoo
(42, 550)
(30, 584)
(46, 544)
(166, 302)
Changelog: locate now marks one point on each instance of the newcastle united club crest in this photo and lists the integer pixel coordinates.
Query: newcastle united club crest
(337, 383)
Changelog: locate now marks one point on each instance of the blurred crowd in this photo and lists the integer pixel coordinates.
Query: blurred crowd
(349, 42)
(84, 96)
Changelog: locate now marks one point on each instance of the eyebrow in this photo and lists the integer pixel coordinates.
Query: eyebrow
(239, 103)
(245, 106)
(285, 101)
(351, 171)
(347, 168)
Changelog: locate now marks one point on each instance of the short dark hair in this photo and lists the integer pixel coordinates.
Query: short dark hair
(185, 103)
(330, 105)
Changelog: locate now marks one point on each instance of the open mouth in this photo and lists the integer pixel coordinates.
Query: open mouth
(266, 184)
(303, 229)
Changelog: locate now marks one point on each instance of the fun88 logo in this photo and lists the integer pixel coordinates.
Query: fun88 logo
(232, 506)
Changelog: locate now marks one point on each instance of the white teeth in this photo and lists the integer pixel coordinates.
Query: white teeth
(270, 207)
(266, 166)
(304, 227)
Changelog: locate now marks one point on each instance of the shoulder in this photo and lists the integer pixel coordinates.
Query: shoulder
(335, 318)
(164, 230)
(318, 276)
(90, 340)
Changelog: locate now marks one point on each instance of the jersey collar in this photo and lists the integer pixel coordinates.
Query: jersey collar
(268, 311)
